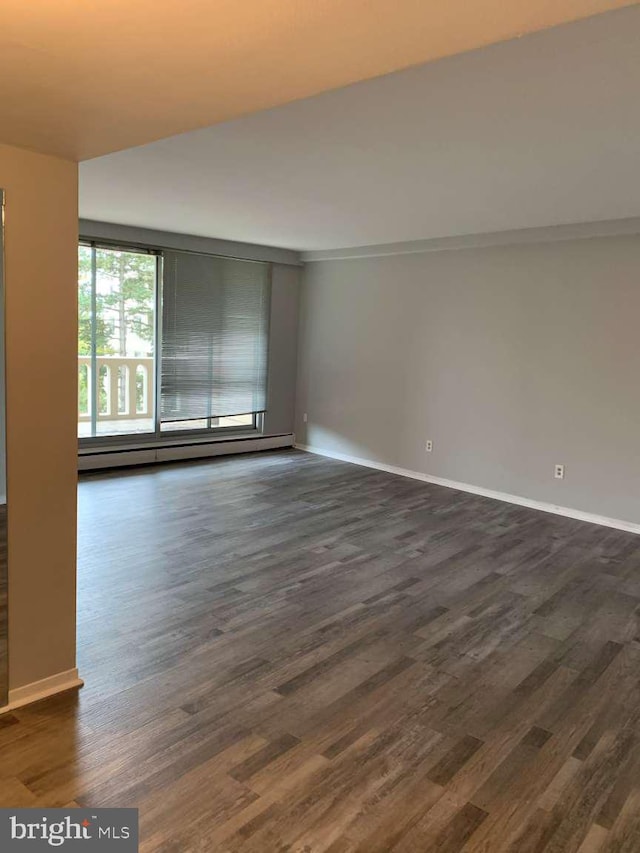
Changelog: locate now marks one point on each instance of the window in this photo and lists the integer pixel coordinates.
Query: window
(116, 341)
(186, 355)
(233, 422)
(215, 317)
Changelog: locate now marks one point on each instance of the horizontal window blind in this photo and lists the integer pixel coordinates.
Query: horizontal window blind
(215, 325)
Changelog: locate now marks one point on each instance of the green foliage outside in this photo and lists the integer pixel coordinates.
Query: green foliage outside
(125, 295)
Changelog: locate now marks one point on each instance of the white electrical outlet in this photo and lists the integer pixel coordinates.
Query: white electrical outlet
(558, 472)
(304, 418)
(428, 446)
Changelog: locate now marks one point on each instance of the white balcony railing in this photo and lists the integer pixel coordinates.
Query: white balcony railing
(126, 388)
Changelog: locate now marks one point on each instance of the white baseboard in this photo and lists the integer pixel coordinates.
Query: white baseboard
(578, 514)
(42, 689)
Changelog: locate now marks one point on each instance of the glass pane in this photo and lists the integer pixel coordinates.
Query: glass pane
(234, 421)
(237, 421)
(104, 387)
(182, 425)
(124, 332)
(84, 340)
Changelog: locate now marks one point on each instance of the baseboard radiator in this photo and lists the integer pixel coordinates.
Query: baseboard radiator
(119, 458)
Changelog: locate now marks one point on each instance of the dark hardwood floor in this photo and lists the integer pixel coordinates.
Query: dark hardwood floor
(288, 653)
(4, 625)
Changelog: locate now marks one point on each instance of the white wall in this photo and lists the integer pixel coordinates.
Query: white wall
(509, 358)
(41, 333)
(3, 418)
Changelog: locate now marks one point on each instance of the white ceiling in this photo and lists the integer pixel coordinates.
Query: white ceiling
(80, 79)
(537, 131)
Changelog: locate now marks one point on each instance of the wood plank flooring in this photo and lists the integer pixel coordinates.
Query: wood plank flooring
(289, 653)
(4, 625)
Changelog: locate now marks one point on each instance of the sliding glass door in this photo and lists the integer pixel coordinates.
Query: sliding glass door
(116, 341)
(159, 360)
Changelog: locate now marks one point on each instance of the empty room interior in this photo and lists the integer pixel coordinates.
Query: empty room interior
(320, 426)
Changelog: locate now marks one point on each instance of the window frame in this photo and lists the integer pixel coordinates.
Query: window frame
(159, 437)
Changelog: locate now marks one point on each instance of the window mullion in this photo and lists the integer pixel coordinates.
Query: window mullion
(95, 391)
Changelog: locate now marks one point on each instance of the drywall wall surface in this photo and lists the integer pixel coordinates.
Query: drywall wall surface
(283, 349)
(41, 232)
(510, 359)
